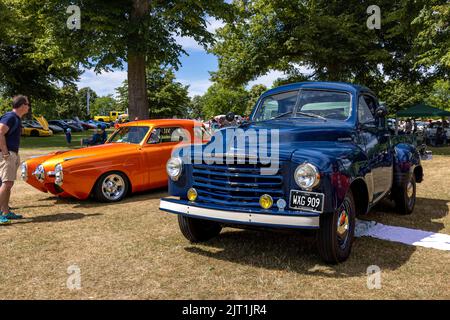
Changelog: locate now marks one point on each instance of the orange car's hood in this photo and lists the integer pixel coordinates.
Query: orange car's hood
(100, 152)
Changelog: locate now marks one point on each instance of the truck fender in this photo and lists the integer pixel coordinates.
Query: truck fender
(406, 162)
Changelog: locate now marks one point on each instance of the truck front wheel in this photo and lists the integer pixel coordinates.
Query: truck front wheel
(405, 196)
(198, 230)
(336, 233)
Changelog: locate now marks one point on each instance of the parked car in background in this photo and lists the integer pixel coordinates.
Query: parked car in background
(113, 115)
(74, 123)
(62, 124)
(432, 128)
(437, 134)
(123, 118)
(87, 126)
(133, 159)
(28, 130)
(54, 128)
(335, 160)
(421, 125)
(96, 123)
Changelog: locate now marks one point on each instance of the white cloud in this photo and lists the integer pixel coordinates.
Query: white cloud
(214, 24)
(103, 83)
(273, 75)
(189, 43)
(196, 87)
(267, 79)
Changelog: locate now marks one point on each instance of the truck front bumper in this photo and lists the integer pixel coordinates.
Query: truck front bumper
(299, 220)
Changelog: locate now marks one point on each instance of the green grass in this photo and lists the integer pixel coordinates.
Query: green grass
(443, 151)
(56, 141)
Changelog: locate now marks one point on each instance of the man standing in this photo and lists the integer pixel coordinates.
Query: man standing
(10, 130)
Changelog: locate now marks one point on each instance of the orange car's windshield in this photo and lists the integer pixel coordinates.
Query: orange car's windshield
(132, 134)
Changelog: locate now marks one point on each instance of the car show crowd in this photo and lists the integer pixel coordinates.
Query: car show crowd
(432, 132)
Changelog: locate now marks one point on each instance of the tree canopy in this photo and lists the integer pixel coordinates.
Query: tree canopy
(124, 33)
(22, 69)
(333, 41)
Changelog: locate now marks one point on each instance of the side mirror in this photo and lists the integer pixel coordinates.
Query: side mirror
(230, 117)
(381, 112)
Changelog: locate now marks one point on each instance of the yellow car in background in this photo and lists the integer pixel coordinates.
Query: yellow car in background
(29, 130)
(35, 132)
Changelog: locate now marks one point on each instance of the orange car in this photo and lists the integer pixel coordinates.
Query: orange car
(133, 159)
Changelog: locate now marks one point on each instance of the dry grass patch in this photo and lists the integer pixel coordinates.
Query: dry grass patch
(133, 250)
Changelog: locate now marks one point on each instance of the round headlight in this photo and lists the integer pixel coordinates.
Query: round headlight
(306, 176)
(174, 168)
(24, 171)
(59, 177)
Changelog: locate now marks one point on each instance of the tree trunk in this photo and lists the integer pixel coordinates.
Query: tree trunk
(29, 115)
(137, 89)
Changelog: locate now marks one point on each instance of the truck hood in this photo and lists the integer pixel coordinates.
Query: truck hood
(292, 134)
(304, 129)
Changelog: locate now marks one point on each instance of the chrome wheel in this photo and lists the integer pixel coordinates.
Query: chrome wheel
(113, 187)
(343, 226)
(410, 193)
(410, 190)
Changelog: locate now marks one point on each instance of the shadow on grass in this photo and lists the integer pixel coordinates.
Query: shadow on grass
(296, 251)
(30, 207)
(130, 199)
(59, 217)
(424, 216)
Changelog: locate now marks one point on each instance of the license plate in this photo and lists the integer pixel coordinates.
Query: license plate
(307, 201)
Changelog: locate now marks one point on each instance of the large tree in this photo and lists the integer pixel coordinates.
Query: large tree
(167, 97)
(330, 38)
(105, 104)
(82, 96)
(432, 43)
(23, 69)
(220, 99)
(128, 34)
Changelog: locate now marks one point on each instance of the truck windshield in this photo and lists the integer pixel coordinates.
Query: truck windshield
(305, 103)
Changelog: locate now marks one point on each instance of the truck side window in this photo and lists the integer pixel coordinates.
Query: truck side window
(365, 115)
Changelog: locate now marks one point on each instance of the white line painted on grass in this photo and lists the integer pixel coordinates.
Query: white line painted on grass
(413, 237)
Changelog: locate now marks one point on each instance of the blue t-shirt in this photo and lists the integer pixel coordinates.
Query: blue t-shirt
(14, 123)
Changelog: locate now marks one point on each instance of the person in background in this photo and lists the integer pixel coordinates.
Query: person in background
(69, 136)
(408, 126)
(99, 137)
(10, 130)
(103, 134)
(213, 125)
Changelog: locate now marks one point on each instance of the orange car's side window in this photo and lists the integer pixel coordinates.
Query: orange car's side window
(167, 135)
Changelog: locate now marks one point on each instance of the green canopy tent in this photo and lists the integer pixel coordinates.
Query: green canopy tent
(420, 110)
(423, 110)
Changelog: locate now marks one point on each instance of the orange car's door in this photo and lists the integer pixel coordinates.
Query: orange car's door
(157, 151)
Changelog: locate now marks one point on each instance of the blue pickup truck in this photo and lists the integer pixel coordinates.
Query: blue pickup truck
(331, 157)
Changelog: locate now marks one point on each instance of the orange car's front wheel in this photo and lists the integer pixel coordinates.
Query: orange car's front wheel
(111, 187)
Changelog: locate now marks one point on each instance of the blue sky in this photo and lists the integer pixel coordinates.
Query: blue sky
(194, 70)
